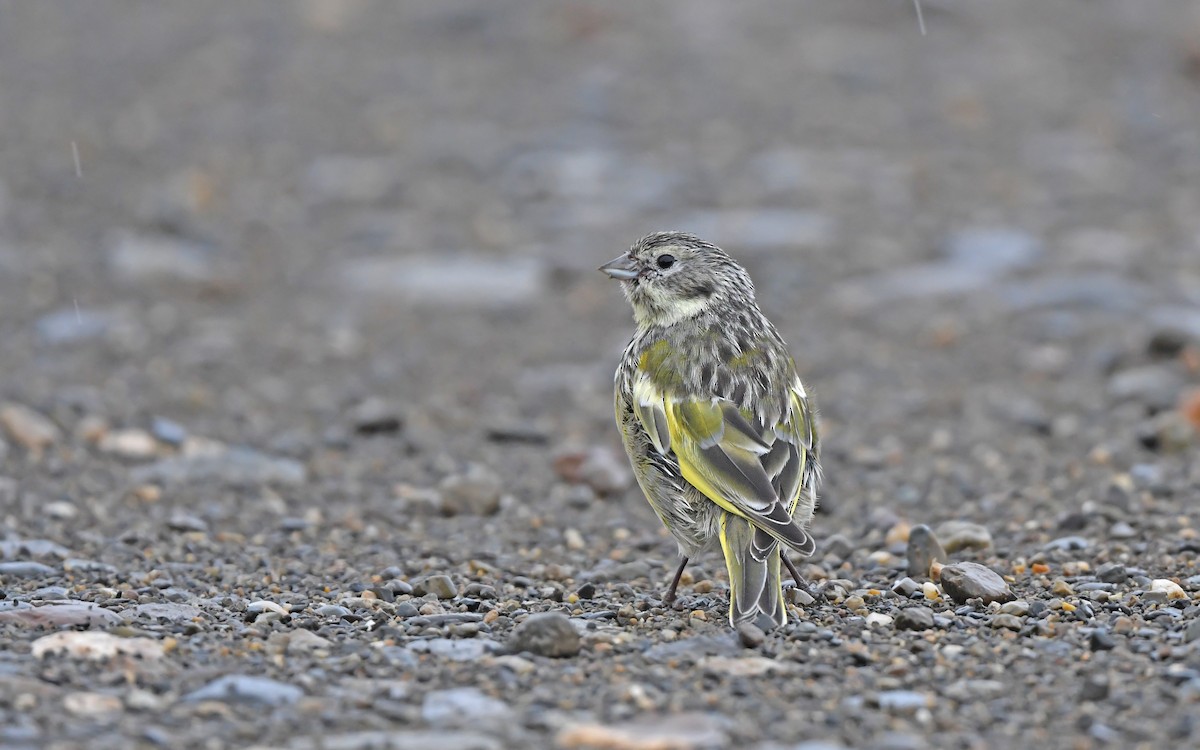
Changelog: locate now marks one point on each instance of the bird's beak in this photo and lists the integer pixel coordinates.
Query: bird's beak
(621, 268)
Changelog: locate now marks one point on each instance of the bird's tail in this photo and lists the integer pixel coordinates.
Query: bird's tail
(755, 586)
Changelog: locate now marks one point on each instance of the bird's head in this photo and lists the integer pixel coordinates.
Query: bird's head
(669, 277)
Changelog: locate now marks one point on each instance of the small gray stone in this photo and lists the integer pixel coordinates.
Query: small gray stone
(464, 706)
(475, 492)
(1121, 530)
(902, 701)
(1006, 622)
(960, 535)
(798, 596)
(1112, 573)
(906, 587)
(1156, 386)
(241, 689)
(914, 618)
(1067, 543)
(967, 580)
(186, 522)
(546, 634)
(25, 569)
(439, 585)
(1192, 631)
(1100, 640)
(89, 567)
(71, 325)
(455, 650)
(33, 548)
(837, 546)
(72, 614)
(163, 612)
(408, 739)
(1095, 688)
(376, 416)
(750, 635)
(238, 467)
(166, 431)
(923, 550)
(146, 258)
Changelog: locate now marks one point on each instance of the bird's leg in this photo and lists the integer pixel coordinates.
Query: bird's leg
(669, 597)
(799, 579)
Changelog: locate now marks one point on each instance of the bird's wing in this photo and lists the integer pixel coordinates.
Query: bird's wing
(755, 474)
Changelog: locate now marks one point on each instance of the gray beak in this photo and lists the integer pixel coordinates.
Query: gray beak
(621, 268)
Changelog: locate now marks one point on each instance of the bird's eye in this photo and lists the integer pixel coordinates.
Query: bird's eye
(666, 261)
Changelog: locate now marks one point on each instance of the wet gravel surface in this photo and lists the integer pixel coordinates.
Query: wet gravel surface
(306, 412)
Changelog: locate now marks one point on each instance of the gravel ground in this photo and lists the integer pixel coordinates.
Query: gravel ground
(306, 397)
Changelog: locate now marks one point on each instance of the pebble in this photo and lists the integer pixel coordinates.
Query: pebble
(33, 547)
(1112, 573)
(129, 444)
(94, 645)
(25, 569)
(62, 615)
(439, 585)
(798, 596)
(1170, 588)
(968, 580)
(902, 701)
(463, 706)
(236, 467)
(408, 739)
(242, 689)
(1019, 608)
(30, 429)
(163, 612)
(914, 618)
(1067, 543)
(186, 522)
(1095, 688)
(72, 325)
(744, 666)
(376, 416)
(750, 635)
(601, 469)
(906, 587)
(924, 549)
(1121, 530)
(1006, 622)
(475, 492)
(453, 649)
(960, 535)
(1156, 386)
(1192, 631)
(168, 432)
(545, 634)
(1100, 640)
(880, 620)
(135, 258)
(682, 731)
(87, 703)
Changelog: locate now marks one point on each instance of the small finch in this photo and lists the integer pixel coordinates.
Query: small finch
(718, 427)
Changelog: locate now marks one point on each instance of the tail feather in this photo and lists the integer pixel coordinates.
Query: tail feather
(755, 585)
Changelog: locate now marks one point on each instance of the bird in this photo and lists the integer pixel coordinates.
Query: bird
(720, 431)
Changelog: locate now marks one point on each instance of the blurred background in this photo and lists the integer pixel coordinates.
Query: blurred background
(248, 217)
(359, 237)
